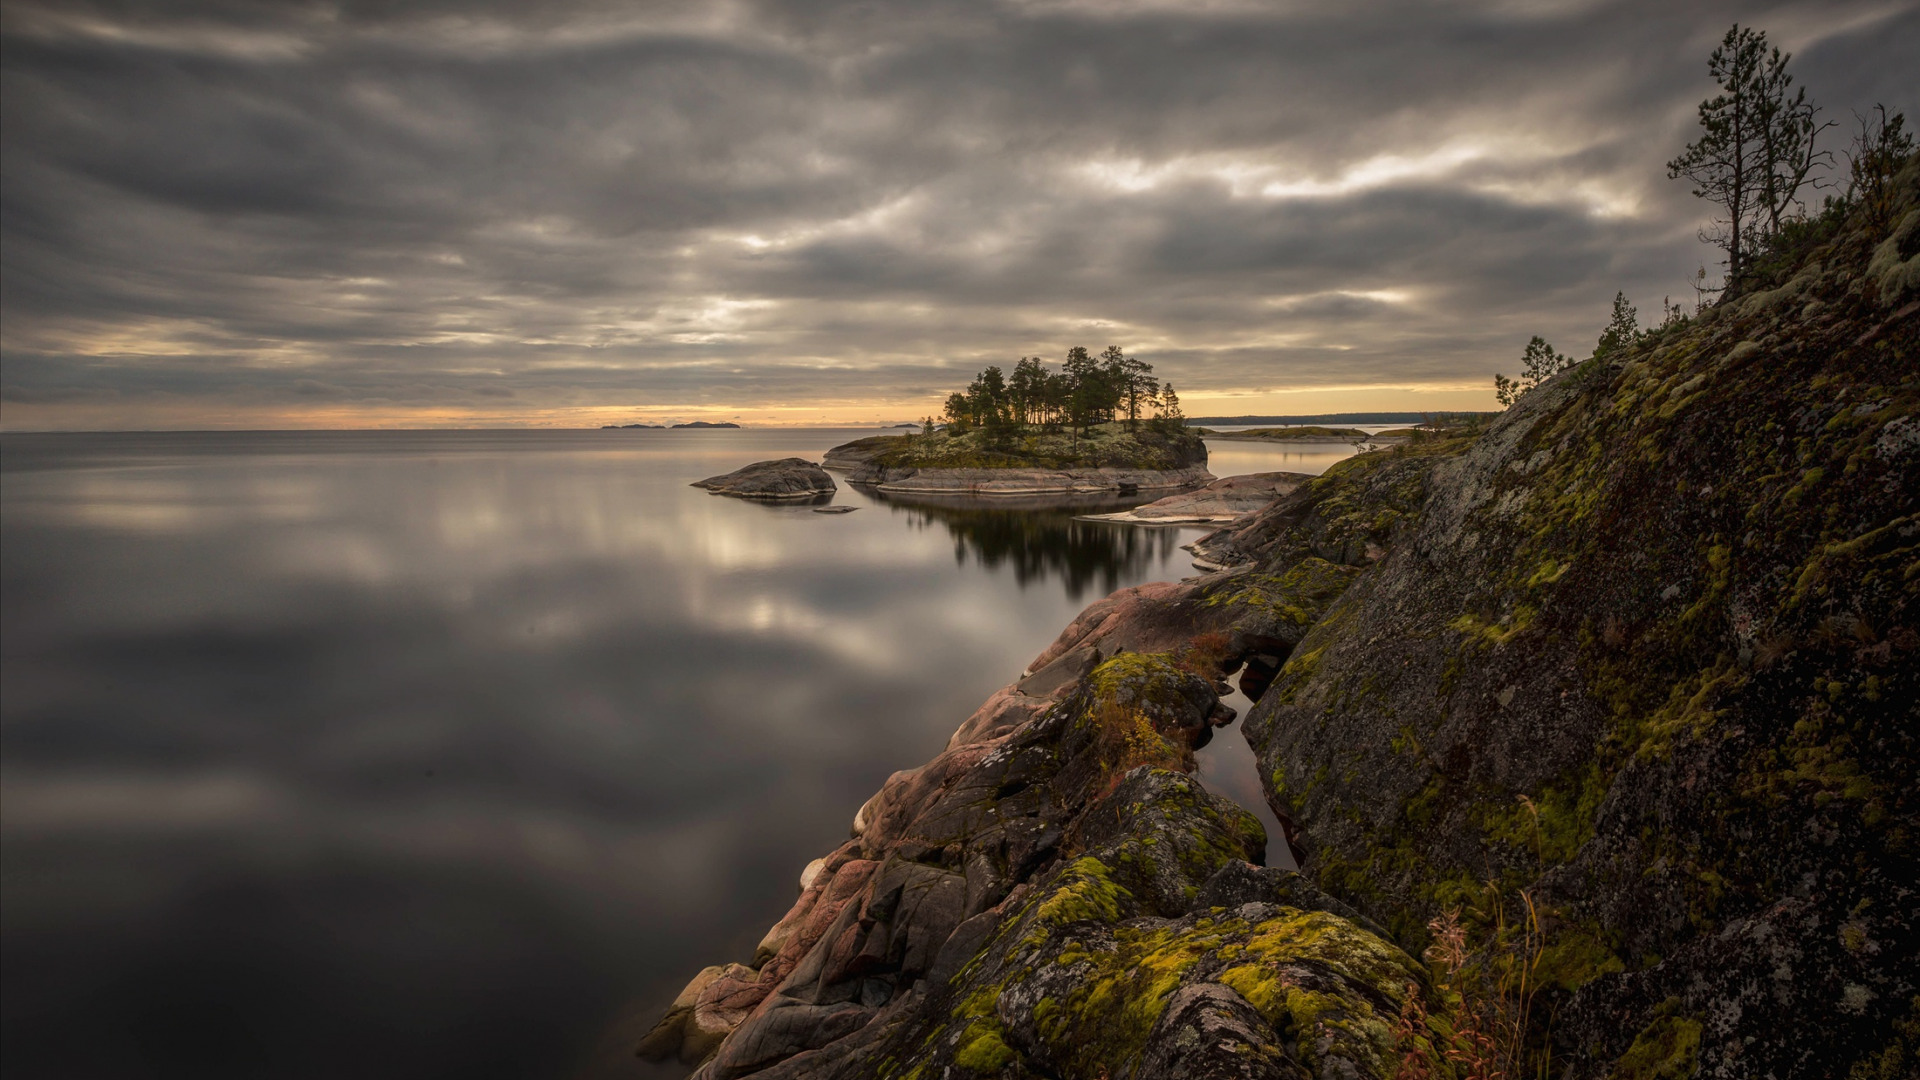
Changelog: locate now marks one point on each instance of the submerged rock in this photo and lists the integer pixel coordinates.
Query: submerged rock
(785, 478)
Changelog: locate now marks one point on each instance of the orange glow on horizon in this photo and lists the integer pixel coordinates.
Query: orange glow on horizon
(187, 416)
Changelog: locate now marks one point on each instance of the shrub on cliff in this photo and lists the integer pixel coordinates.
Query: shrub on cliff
(1538, 363)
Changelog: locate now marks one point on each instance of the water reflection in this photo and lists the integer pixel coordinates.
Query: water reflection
(410, 754)
(413, 754)
(1046, 540)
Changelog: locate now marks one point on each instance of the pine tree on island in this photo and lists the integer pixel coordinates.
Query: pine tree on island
(1094, 410)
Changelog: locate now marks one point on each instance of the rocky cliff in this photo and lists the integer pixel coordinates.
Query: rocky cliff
(1638, 661)
(1648, 650)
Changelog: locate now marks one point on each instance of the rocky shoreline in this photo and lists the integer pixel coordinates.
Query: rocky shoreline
(861, 462)
(1219, 503)
(997, 482)
(1604, 693)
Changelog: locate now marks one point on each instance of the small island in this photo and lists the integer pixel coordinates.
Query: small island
(702, 424)
(631, 427)
(1309, 433)
(785, 478)
(1101, 424)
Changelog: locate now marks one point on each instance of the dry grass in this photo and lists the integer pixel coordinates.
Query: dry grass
(1484, 988)
(1127, 739)
(1206, 655)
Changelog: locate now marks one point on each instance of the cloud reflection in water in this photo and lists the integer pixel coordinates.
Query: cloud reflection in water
(416, 754)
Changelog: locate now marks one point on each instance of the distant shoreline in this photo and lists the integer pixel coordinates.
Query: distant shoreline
(1347, 418)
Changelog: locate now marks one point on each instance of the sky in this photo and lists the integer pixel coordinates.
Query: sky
(239, 214)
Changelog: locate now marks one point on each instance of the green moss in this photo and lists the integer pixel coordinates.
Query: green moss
(1119, 996)
(1666, 1049)
(982, 1045)
(1140, 678)
(985, 1054)
(1576, 956)
(1137, 699)
(1554, 823)
(1085, 891)
(1499, 632)
(1274, 976)
(1899, 1057)
(1297, 597)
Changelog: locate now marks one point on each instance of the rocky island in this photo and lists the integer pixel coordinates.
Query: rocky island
(1107, 458)
(785, 478)
(1592, 729)
(1100, 425)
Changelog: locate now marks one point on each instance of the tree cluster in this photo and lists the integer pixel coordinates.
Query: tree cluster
(1758, 151)
(1756, 144)
(1087, 390)
(1539, 362)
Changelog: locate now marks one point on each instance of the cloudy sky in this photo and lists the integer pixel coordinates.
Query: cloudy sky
(238, 213)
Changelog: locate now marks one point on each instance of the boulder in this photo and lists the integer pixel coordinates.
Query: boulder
(785, 478)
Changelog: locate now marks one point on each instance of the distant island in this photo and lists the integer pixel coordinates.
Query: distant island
(1348, 418)
(1101, 424)
(1316, 433)
(663, 427)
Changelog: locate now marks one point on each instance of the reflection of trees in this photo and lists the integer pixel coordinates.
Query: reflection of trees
(1042, 543)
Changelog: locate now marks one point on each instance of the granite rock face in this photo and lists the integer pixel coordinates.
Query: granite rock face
(784, 478)
(1648, 649)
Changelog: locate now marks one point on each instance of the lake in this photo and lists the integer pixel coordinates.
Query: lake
(422, 754)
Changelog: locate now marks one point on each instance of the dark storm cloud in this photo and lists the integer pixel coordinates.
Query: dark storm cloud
(251, 204)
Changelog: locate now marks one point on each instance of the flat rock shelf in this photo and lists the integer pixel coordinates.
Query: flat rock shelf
(1222, 502)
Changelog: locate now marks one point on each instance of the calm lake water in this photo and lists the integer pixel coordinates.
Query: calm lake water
(421, 754)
